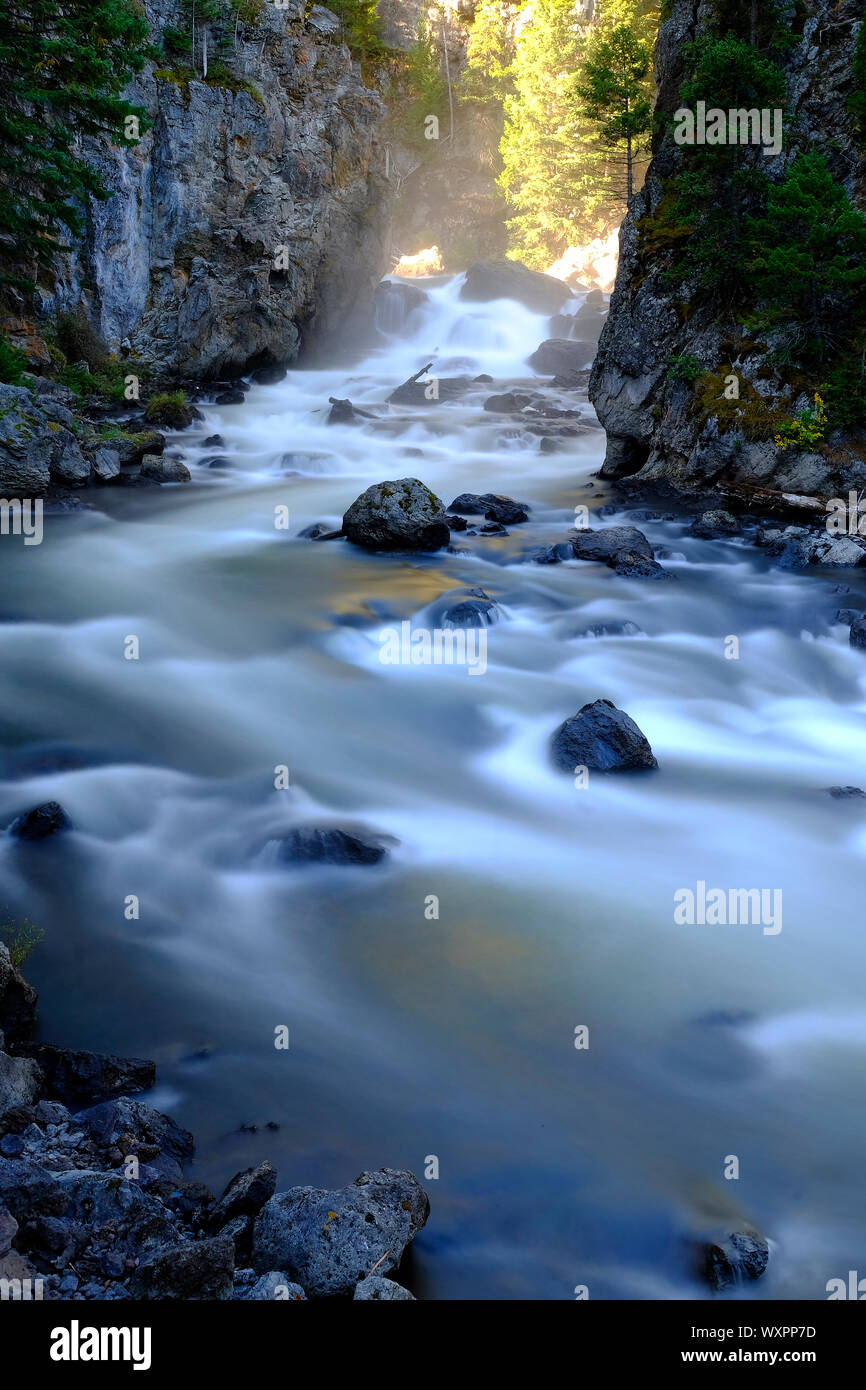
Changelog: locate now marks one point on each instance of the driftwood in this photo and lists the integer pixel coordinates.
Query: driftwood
(768, 499)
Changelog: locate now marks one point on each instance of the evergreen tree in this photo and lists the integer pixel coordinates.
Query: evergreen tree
(360, 20)
(539, 158)
(487, 76)
(62, 69)
(808, 264)
(616, 88)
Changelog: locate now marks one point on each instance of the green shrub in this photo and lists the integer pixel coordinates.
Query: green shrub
(806, 430)
(684, 367)
(21, 939)
(169, 408)
(13, 364)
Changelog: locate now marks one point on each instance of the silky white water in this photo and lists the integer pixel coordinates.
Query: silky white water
(415, 1037)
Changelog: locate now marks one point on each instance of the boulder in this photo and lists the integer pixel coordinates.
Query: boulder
(311, 844)
(110, 1119)
(105, 463)
(29, 1191)
(131, 448)
(562, 357)
(609, 543)
(8, 1230)
(846, 793)
(196, 1270)
(631, 565)
(170, 410)
(163, 469)
(342, 412)
(81, 1078)
(491, 505)
(507, 402)
(857, 634)
(733, 1259)
(471, 612)
(402, 515)
(47, 819)
(602, 738)
(245, 1195)
(17, 999)
(329, 1241)
(713, 524)
(501, 279)
(384, 1290)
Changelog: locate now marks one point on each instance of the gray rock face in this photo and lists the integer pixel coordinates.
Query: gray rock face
(113, 1118)
(19, 1081)
(488, 280)
(329, 1241)
(374, 1289)
(80, 1078)
(653, 428)
(245, 1195)
(402, 515)
(602, 738)
(249, 216)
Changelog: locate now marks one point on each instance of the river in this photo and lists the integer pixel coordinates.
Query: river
(413, 1037)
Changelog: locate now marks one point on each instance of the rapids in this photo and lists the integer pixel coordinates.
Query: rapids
(452, 1038)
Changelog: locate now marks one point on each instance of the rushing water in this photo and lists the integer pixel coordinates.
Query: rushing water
(453, 1037)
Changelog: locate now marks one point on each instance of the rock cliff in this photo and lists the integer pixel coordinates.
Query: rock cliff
(276, 147)
(694, 380)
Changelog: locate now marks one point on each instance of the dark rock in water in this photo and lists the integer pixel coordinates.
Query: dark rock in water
(112, 1118)
(610, 542)
(17, 999)
(847, 615)
(216, 461)
(402, 515)
(394, 302)
(81, 1078)
(456, 523)
(508, 401)
(626, 629)
(633, 566)
(549, 445)
(245, 1195)
(323, 845)
(269, 376)
(382, 1290)
(713, 524)
(164, 469)
(857, 635)
(132, 448)
(482, 378)
(342, 412)
(472, 612)
(175, 414)
(47, 819)
(136, 480)
(488, 280)
(552, 554)
(196, 1270)
(329, 1241)
(562, 357)
(319, 531)
(491, 505)
(733, 1260)
(213, 441)
(602, 738)
(234, 396)
(845, 793)
(492, 528)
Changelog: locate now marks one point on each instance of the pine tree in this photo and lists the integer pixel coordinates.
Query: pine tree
(616, 88)
(808, 265)
(62, 69)
(487, 76)
(539, 175)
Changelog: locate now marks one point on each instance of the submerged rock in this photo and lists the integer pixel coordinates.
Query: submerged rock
(845, 793)
(610, 542)
(329, 1241)
(714, 524)
(562, 357)
(604, 739)
(402, 515)
(164, 469)
(857, 635)
(310, 844)
(47, 819)
(492, 505)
